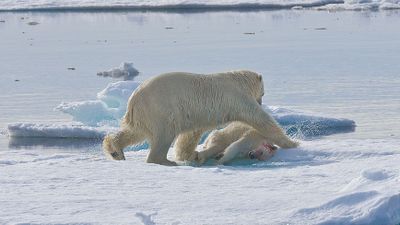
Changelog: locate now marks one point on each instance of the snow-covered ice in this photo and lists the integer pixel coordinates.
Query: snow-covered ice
(322, 182)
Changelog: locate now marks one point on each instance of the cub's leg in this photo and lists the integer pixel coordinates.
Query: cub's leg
(214, 145)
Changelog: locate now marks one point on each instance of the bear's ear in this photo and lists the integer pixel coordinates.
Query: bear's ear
(259, 77)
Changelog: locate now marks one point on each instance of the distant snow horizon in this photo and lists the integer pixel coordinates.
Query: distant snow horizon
(174, 5)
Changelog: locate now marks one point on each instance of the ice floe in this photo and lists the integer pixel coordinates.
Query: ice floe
(126, 71)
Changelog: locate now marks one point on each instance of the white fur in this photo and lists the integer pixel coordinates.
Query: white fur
(183, 106)
(235, 140)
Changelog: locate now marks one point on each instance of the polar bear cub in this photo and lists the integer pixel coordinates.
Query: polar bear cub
(182, 106)
(237, 140)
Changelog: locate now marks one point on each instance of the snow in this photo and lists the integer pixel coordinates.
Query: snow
(126, 71)
(372, 196)
(197, 4)
(321, 182)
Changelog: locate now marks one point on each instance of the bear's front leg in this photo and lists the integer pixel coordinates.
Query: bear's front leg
(266, 125)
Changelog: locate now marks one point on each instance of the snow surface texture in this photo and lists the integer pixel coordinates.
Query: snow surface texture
(321, 182)
(95, 117)
(126, 71)
(197, 4)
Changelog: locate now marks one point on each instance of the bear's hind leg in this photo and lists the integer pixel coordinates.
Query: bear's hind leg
(159, 149)
(114, 144)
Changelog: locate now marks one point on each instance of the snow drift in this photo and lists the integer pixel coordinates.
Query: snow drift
(371, 198)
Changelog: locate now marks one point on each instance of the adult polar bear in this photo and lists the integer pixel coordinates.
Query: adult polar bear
(185, 105)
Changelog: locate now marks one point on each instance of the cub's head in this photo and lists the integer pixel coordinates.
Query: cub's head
(264, 152)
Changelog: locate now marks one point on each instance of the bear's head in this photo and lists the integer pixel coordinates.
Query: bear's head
(252, 82)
